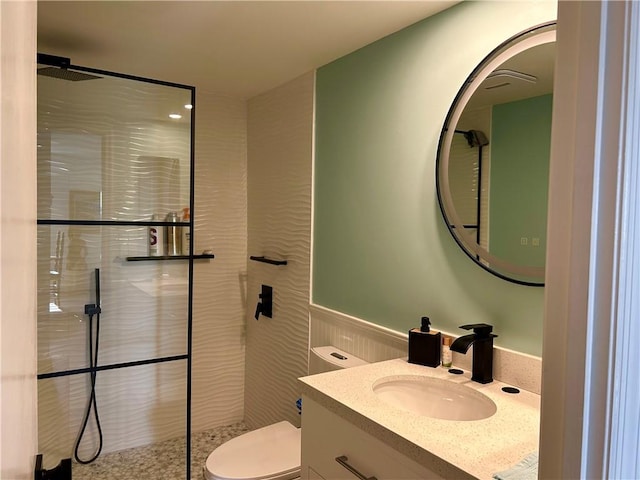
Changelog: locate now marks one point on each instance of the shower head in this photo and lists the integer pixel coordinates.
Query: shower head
(65, 74)
(60, 68)
(476, 138)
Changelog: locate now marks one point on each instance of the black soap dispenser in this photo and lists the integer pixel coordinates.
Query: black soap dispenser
(425, 345)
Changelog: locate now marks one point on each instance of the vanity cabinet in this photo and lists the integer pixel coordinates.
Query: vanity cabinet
(327, 437)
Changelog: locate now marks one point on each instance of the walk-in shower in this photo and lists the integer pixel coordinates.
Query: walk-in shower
(469, 168)
(114, 323)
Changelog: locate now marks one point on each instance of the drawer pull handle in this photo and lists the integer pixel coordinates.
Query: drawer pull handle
(343, 461)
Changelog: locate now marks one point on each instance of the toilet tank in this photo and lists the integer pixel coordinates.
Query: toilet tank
(328, 358)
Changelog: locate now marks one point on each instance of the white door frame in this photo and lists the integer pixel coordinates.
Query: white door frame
(18, 419)
(590, 392)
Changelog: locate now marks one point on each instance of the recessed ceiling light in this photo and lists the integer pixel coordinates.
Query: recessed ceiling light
(188, 106)
(175, 116)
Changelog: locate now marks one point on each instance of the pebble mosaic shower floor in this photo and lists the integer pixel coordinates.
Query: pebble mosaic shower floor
(160, 461)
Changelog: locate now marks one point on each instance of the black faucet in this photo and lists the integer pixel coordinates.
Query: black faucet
(482, 341)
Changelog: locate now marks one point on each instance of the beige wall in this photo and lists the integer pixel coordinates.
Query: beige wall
(280, 142)
(18, 428)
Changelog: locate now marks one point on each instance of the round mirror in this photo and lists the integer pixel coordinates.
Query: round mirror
(493, 158)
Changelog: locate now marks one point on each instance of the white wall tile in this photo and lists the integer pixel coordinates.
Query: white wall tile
(280, 129)
(136, 406)
(355, 336)
(276, 357)
(219, 284)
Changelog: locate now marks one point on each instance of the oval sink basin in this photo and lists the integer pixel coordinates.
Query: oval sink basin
(434, 397)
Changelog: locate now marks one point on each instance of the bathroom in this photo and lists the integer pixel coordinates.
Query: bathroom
(232, 359)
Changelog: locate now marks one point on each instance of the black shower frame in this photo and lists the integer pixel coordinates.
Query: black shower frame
(477, 225)
(63, 62)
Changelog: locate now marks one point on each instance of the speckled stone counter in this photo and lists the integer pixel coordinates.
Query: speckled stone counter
(476, 449)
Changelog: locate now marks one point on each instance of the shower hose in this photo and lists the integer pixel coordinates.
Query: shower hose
(92, 310)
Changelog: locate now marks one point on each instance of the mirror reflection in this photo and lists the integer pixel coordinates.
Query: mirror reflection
(493, 161)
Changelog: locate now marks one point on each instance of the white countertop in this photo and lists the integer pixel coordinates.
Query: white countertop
(478, 448)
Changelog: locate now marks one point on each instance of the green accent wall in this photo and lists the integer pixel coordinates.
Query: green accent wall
(381, 250)
(520, 146)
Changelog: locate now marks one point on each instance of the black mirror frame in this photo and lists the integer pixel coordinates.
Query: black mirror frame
(455, 106)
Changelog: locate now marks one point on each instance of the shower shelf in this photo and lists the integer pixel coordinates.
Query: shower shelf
(173, 257)
(270, 261)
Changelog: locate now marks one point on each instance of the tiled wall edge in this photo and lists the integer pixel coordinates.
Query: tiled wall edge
(339, 317)
(370, 342)
(374, 343)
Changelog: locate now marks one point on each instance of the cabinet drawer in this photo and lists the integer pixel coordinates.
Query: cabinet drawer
(326, 436)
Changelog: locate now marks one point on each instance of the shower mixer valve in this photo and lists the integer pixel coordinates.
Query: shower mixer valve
(265, 305)
(91, 309)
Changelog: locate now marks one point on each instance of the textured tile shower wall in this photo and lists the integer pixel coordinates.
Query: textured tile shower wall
(280, 133)
(100, 161)
(220, 285)
(147, 404)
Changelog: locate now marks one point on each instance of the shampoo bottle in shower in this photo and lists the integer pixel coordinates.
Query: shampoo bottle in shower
(172, 237)
(156, 238)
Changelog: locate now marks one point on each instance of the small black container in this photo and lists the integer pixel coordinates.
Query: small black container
(425, 345)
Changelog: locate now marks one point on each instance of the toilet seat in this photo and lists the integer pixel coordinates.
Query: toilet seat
(269, 453)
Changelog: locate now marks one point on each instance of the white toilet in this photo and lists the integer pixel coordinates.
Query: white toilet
(272, 452)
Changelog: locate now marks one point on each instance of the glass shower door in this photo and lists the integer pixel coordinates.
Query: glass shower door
(114, 300)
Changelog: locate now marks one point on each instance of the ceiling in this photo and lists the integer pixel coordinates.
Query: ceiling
(538, 61)
(235, 48)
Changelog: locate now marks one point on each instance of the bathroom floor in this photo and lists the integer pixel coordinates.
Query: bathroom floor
(164, 460)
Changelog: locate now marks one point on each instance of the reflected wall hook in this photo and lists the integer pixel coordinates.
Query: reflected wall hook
(265, 304)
